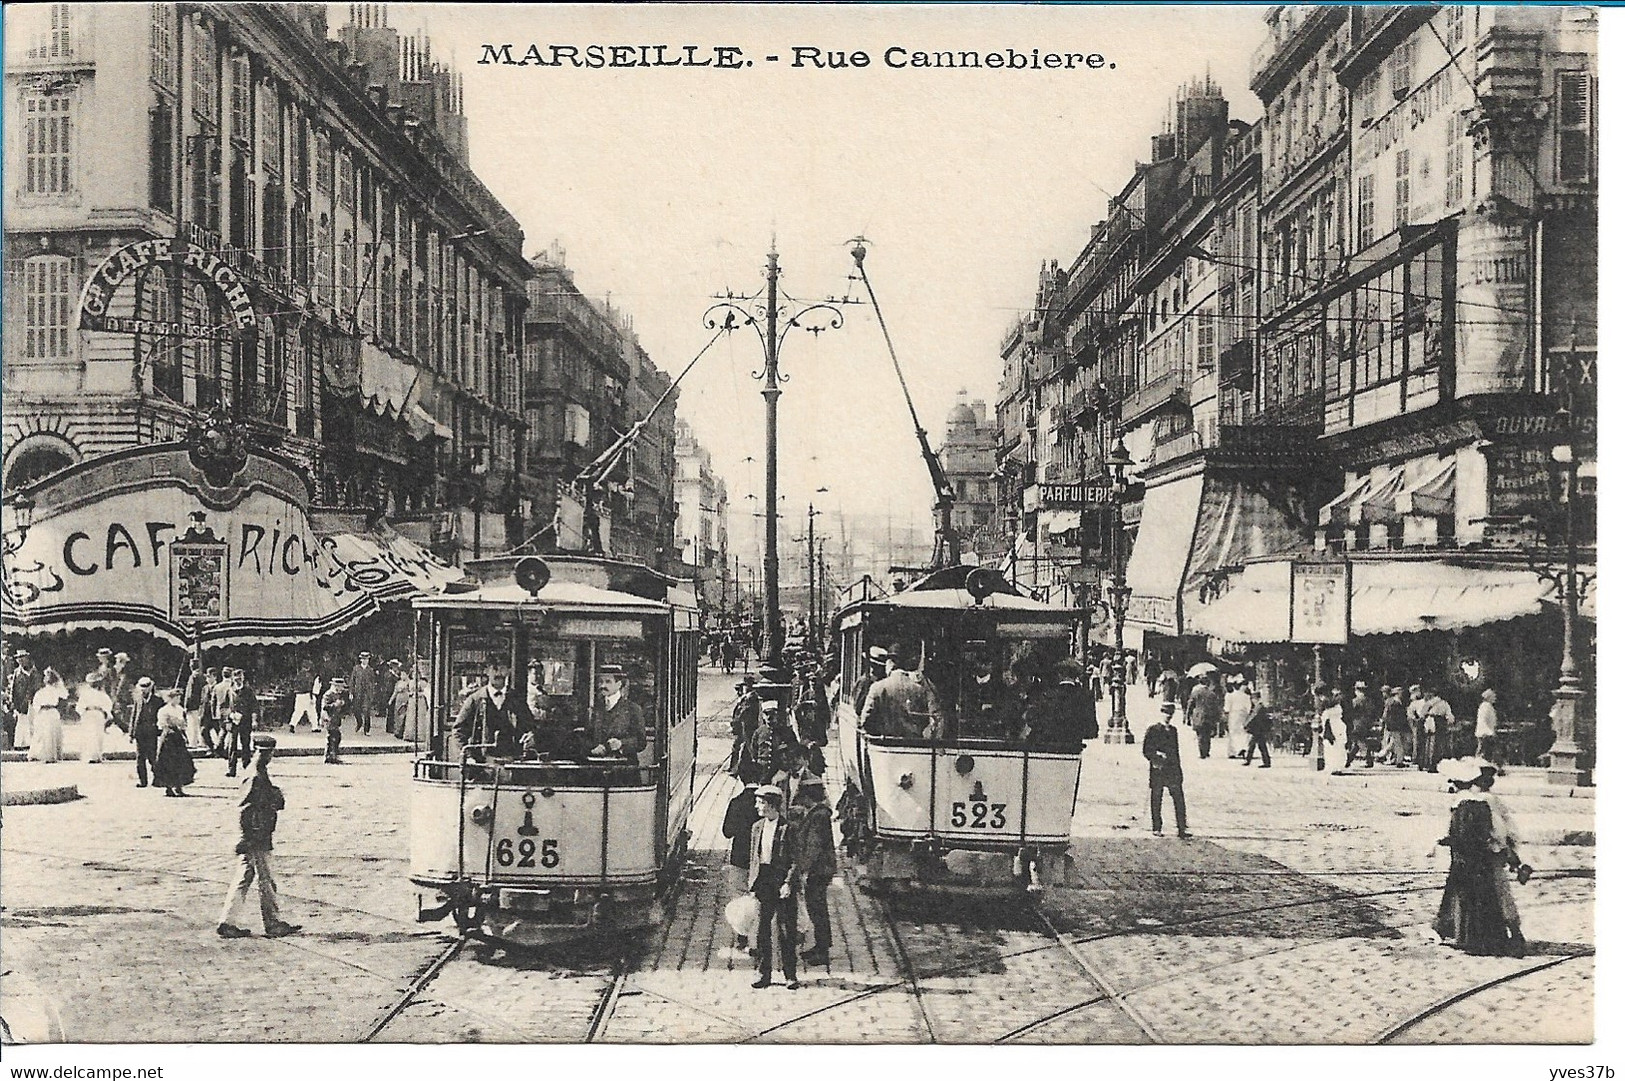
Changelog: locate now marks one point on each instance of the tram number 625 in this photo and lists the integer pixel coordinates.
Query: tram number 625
(528, 853)
(978, 816)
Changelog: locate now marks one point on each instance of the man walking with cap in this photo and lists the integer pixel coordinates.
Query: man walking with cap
(256, 822)
(1160, 745)
(772, 849)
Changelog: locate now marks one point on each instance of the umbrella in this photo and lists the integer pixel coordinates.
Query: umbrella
(1201, 668)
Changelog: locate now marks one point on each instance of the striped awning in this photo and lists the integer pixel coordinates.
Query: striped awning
(1434, 494)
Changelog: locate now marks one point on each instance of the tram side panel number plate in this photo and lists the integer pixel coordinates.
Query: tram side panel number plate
(977, 815)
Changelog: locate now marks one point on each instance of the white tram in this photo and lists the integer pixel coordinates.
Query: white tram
(981, 786)
(554, 843)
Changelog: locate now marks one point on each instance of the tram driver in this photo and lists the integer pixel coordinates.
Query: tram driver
(617, 721)
(494, 718)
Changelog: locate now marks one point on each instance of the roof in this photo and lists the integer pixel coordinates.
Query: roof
(555, 595)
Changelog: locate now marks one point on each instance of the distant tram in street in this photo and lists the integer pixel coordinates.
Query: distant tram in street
(999, 773)
(559, 838)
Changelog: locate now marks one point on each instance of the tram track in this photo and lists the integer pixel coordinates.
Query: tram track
(1068, 944)
(1433, 1009)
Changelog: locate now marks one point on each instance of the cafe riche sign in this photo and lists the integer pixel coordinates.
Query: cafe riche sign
(166, 542)
(102, 308)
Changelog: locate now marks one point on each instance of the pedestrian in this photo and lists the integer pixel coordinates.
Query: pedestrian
(45, 719)
(1204, 712)
(905, 703)
(95, 713)
(1396, 727)
(192, 701)
(144, 728)
(121, 689)
(770, 745)
(1133, 674)
(363, 692)
(815, 862)
(210, 724)
(1477, 913)
(410, 705)
(1259, 726)
(307, 698)
(21, 686)
(1238, 706)
(747, 714)
(1168, 685)
(812, 709)
(737, 823)
(223, 706)
(336, 705)
(172, 765)
(257, 809)
(1438, 722)
(245, 710)
(1329, 724)
(773, 882)
(1487, 727)
(1361, 717)
(1160, 746)
(388, 680)
(1415, 711)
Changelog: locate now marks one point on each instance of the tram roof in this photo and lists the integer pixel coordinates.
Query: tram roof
(961, 600)
(568, 596)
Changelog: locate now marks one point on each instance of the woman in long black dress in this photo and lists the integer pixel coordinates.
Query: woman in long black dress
(173, 767)
(1471, 915)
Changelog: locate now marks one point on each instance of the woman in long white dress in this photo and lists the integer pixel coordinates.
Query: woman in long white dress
(45, 719)
(95, 712)
(1238, 706)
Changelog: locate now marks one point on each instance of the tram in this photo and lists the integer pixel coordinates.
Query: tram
(986, 778)
(566, 835)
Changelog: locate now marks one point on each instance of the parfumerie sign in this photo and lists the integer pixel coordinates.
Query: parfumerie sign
(95, 302)
(1073, 495)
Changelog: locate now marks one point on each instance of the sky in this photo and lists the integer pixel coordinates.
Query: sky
(665, 186)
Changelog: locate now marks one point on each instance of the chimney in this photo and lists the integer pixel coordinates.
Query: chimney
(1163, 146)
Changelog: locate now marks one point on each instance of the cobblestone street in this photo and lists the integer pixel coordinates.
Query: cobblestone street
(1299, 913)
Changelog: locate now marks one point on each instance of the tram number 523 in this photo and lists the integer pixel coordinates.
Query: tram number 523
(977, 816)
(528, 852)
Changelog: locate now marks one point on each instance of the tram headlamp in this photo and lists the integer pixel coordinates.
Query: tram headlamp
(964, 764)
(482, 815)
(905, 781)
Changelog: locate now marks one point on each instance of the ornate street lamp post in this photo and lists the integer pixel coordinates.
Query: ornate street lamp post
(764, 312)
(1117, 730)
(1573, 727)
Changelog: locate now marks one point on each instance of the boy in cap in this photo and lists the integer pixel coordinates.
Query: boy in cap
(256, 822)
(335, 707)
(1160, 746)
(772, 880)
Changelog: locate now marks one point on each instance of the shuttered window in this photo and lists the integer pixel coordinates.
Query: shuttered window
(48, 143)
(48, 296)
(1575, 127)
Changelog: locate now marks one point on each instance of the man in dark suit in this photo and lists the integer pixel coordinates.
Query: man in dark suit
(364, 697)
(144, 729)
(773, 882)
(617, 721)
(243, 707)
(496, 714)
(1160, 745)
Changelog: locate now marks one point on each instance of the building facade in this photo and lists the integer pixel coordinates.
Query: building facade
(968, 453)
(1358, 335)
(587, 380)
(272, 224)
(702, 523)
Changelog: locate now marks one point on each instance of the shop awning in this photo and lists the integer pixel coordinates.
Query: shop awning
(388, 565)
(386, 383)
(1434, 494)
(1377, 505)
(1156, 566)
(1388, 597)
(421, 425)
(1060, 521)
(1340, 510)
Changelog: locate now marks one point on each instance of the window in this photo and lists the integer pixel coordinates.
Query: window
(270, 128)
(205, 353)
(242, 100)
(162, 45)
(48, 308)
(205, 76)
(154, 301)
(577, 425)
(344, 271)
(242, 205)
(161, 156)
(1455, 25)
(1402, 69)
(48, 143)
(324, 259)
(346, 183)
(274, 230)
(1207, 354)
(1365, 224)
(324, 164)
(53, 37)
(1575, 117)
(1455, 138)
(1402, 188)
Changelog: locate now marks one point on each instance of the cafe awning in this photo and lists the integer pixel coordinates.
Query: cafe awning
(149, 540)
(1388, 597)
